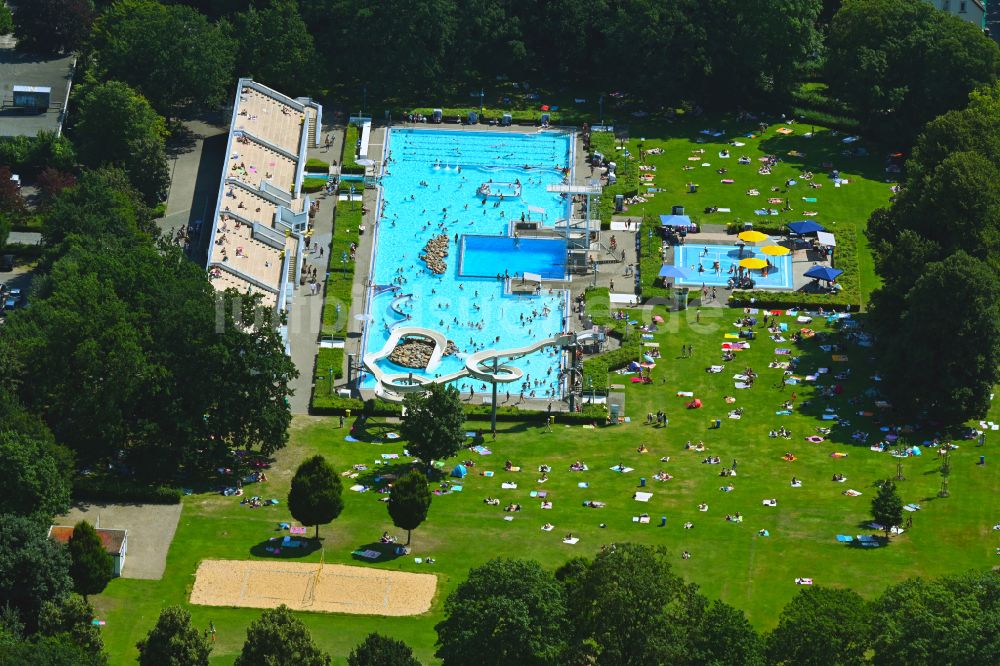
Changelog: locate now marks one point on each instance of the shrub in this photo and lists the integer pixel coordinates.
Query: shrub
(317, 165)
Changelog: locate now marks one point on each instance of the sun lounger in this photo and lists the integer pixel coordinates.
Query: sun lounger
(643, 497)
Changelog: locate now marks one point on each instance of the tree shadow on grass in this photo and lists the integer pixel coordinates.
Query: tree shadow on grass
(273, 548)
(387, 552)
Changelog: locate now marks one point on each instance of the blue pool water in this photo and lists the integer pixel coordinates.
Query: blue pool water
(429, 189)
(691, 255)
(486, 256)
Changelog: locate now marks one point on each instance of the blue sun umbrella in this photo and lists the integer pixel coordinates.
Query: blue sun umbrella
(805, 227)
(668, 271)
(825, 273)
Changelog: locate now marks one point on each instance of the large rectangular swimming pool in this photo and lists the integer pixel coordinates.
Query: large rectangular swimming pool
(490, 256)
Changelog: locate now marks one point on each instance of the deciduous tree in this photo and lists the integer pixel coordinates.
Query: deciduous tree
(506, 612)
(379, 650)
(116, 126)
(171, 54)
(433, 425)
(409, 502)
(278, 637)
(821, 626)
(71, 618)
(275, 47)
(33, 568)
(174, 642)
(35, 481)
(315, 494)
(52, 26)
(634, 608)
(900, 63)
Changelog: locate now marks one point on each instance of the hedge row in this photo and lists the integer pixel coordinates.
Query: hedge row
(599, 367)
(845, 257)
(348, 161)
(114, 489)
(327, 405)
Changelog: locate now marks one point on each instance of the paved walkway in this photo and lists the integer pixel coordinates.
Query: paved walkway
(305, 319)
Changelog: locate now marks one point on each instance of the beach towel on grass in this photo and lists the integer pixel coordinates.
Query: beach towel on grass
(643, 497)
(571, 542)
(620, 470)
(843, 538)
(508, 486)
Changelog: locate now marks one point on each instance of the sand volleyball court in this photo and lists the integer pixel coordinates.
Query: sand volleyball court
(326, 588)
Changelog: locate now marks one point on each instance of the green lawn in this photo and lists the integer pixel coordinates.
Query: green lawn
(338, 287)
(842, 210)
(729, 560)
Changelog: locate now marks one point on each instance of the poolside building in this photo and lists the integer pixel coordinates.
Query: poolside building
(261, 215)
(115, 542)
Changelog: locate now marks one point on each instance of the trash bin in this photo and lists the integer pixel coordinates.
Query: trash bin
(642, 482)
(663, 521)
(718, 423)
(982, 460)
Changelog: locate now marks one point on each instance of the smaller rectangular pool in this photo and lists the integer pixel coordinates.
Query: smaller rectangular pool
(488, 256)
(691, 256)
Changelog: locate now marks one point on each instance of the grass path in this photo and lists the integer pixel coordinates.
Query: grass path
(728, 560)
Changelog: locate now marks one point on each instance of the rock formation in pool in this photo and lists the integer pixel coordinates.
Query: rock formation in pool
(434, 253)
(416, 353)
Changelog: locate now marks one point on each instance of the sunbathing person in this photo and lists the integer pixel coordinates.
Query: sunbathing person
(703, 507)
(492, 501)
(593, 505)
(512, 507)
(642, 449)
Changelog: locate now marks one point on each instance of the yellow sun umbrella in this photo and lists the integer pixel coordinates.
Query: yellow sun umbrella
(752, 236)
(753, 262)
(775, 250)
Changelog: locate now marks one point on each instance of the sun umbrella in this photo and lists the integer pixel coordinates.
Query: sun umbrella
(805, 227)
(752, 262)
(658, 319)
(364, 316)
(825, 273)
(752, 236)
(545, 107)
(668, 271)
(775, 250)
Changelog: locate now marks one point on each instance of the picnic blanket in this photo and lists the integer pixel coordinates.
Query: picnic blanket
(368, 554)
